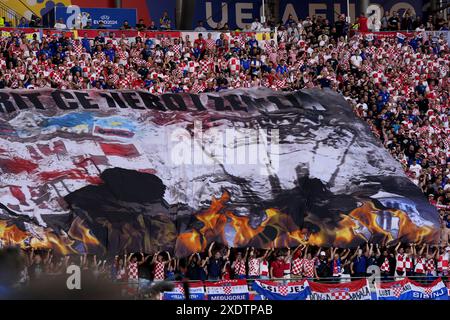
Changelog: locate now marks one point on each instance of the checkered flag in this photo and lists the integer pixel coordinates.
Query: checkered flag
(283, 290)
(227, 288)
(180, 288)
(397, 291)
(340, 295)
(429, 291)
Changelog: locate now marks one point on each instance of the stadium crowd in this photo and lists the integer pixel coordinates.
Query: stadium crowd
(398, 85)
(423, 263)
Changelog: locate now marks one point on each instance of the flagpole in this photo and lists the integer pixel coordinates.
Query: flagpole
(348, 11)
(263, 17)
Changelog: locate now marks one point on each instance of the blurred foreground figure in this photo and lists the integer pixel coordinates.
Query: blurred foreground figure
(12, 264)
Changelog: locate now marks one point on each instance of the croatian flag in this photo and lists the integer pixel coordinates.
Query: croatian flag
(296, 290)
(401, 37)
(355, 290)
(434, 291)
(196, 292)
(227, 290)
(392, 290)
(411, 290)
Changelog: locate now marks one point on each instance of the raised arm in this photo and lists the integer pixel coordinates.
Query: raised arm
(378, 251)
(397, 247)
(370, 249)
(345, 255)
(227, 254)
(355, 253)
(267, 253)
(422, 250)
(296, 249)
(210, 249)
(246, 254)
(168, 257)
(154, 257)
(436, 252)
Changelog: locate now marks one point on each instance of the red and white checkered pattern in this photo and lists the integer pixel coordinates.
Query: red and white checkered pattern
(227, 289)
(283, 290)
(430, 266)
(206, 65)
(385, 265)
(197, 88)
(210, 44)
(234, 64)
(133, 270)
(253, 267)
(341, 295)
(308, 268)
(398, 290)
(420, 265)
(158, 272)
(428, 290)
(239, 267)
(191, 65)
(297, 267)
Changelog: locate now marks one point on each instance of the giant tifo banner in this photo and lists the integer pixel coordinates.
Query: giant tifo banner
(114, 171)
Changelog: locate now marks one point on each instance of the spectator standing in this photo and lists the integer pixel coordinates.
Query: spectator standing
(375, 24)
(363, 23)
(386, 262)
(60, 25)
(322, 269)
(358, 266)
(239, 265)
(200, 27)
(385, 21)
(254, 263)
(125, 26)
(216, 263)
(159, 265)
(277, 267)
(394, 22)
(152, 26)
(140, 26)
(23, 23)
(164, 21)
(256, 25)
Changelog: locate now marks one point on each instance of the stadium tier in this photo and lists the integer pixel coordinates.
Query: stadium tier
(282, 163)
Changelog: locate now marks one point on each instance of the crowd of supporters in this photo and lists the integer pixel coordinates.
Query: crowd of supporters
(398, 85)
(423, 263)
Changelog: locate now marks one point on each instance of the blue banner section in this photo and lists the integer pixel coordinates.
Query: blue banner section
(236, 14)
(229, 297)
(180, 296)
(112, 18)
(273, 291)
(239, 13)
(332, 8)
